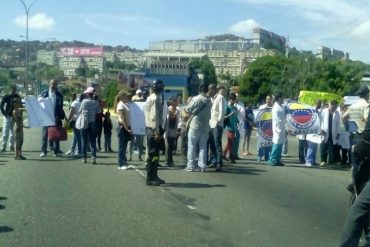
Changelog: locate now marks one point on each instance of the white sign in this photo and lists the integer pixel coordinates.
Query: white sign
(40, 112)
(137, 118)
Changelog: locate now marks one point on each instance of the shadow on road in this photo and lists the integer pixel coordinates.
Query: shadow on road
(2, 198)
(5, 229)
(242, 170)
(193, 185)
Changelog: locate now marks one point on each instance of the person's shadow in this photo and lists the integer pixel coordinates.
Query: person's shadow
(4, 229)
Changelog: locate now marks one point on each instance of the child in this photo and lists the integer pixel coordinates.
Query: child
(18, 127)
(107, 127)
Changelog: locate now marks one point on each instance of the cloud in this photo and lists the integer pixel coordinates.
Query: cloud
(243, 27)
(361, 32)
(39, 21)
(137, 25)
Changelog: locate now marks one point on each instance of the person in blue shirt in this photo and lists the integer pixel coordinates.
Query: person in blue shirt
(231, 125)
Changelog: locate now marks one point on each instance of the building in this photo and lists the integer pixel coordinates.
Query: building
(174, 69)
(229, 54)
(71, 58)
(47, 57)
(235, 63)
(327, 53)
(129, 57)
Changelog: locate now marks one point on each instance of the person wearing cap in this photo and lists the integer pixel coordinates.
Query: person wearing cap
(138, 96)
(57, 101)
(6, 107)
(91, 106)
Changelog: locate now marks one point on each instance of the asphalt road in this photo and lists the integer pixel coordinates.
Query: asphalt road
(59, 201)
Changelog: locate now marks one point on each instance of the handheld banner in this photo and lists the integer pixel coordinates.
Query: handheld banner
(264, 128)
(137, 118)
(310, 97)
(302, 119)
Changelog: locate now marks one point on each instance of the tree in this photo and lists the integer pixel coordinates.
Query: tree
(207, 69)
(110, 92)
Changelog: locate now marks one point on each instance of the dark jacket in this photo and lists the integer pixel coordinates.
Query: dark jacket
(107, 126)
(58, 111)
(7, 101)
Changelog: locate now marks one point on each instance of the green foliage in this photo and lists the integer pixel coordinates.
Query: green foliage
(299, 72)
(207, 69)
(4, 78)
(110, 92)
(119, 65)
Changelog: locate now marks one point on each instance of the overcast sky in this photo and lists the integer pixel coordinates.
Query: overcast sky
(339, 24)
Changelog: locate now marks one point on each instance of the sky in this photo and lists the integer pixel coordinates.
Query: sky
(339, 24)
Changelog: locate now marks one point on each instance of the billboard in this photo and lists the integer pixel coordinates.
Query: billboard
(82, 51)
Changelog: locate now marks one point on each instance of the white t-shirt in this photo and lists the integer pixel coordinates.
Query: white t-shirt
(76, 107)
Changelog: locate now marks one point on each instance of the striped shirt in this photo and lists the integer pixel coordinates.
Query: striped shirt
(92, 108)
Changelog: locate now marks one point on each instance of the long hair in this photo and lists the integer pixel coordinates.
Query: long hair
(117, 99)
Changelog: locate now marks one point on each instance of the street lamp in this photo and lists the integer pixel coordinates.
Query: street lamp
(27, 9)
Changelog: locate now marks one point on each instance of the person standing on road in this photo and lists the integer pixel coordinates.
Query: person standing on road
(330, 123)
(310, 159)
(239, 130)
(91, 106)
(18, 123)
(278, 130)
(231, 126)
(216, 123)
(264, 152)
(248, 122)
(6, 107)
(358, 217)
(200, 111)
(171, 129)
(71, 119)
(57, 105)
(124, 132)
(107, 129)
(153, 113)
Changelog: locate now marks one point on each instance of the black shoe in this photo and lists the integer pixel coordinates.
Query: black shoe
(219, 169)
(212, 166)
(279, 164)
(233, 161)
(224, 157)
(153, 183)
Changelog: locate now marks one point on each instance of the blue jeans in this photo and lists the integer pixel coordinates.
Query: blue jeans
(89, 134)
(302, 150)
(264, 152)
(236, 143)
(275, 156)
(123, 139)
(285, 146)
(197, 138)
(8, 132)
(217, 135)
(311, 153)
(76, 141)
(53, 144)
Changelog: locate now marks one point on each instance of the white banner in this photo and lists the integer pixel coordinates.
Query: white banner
(137, 118)
(264, 128)
(40, 112)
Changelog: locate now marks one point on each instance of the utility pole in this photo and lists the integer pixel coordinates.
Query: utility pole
(27, 9)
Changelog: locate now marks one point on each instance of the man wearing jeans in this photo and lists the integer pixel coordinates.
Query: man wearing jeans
(200, 109)
(57, 101)
(6, 107)
(216, 123)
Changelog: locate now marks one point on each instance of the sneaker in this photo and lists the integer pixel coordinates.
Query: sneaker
(308, 164)
(202, 169)
(84, 160)
(22, 157)
(57, 155)
(69, 153)
(322, 163)
(122, 168)
(43, 154)
(188, 169)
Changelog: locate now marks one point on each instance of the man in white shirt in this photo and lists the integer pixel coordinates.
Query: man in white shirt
(278, 130)
(216, 123)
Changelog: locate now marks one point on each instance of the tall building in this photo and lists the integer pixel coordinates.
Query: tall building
(327, 53)
(71, 58)
(47, 57)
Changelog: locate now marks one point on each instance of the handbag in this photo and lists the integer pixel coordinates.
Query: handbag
(57, 133)
(81, 122)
